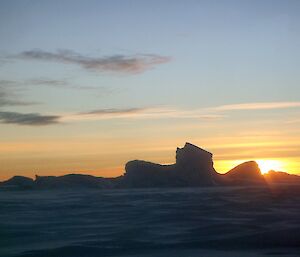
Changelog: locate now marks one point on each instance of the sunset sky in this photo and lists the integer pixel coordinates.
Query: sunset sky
(86, 86)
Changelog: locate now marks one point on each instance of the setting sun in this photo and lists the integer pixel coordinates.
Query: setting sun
(267, 165)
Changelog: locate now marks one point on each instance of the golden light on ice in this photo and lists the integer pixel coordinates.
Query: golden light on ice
(267, 165)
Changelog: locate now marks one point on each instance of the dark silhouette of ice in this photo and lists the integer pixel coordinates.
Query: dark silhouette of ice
(193, 168)
(19, 181)
(244, 174)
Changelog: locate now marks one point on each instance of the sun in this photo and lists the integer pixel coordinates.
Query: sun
(267, 165)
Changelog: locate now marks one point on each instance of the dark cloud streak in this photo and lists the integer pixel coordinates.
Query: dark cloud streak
(32, 119)
(115, 63)
(114, 111)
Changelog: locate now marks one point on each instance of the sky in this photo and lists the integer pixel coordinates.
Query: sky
(86, 86)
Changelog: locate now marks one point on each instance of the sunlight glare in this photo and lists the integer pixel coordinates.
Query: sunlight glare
(267, 165)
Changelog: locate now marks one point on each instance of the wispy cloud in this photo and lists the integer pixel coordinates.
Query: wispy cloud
(60, 84)
(46, 82)
(114, 111)
(8, 98)
(256, 106)
(32, 119)
(7, 83)
(108, 113)
(115, 63)
(204, 114)
(212, 113)
(14, 85)
(140, 113)
(37, 119)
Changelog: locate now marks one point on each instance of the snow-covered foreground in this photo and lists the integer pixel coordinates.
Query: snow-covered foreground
(240, 221)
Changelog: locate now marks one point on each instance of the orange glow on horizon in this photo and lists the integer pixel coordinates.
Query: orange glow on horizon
(107, 157)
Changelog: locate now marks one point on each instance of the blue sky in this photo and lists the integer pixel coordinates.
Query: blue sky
(124, 70)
